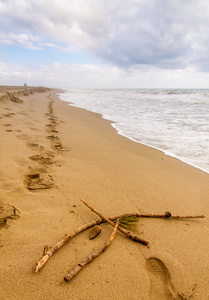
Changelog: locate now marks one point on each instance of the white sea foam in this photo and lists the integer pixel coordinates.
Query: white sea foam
(174, 121)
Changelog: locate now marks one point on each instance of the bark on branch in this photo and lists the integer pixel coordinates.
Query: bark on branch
(49, 252)
(124, 231)
(166, 215)
(92, 256)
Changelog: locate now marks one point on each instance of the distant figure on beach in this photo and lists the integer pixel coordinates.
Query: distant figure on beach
(25, 84)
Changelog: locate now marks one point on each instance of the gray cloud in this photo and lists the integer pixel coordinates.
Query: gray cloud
(165, 34)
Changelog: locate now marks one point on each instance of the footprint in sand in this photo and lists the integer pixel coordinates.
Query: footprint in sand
(161, 286)
(37, 181)
(44, 158)
(32, 145)
(9, 115)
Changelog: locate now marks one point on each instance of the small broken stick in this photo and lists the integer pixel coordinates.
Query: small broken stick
(124, 231)
(92, 256)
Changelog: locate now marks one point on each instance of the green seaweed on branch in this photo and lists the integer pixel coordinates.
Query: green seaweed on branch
(129, 222)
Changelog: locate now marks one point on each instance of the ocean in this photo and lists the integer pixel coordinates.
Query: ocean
(173, 121)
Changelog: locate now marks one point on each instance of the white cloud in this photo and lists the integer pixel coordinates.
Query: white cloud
(21, 39)
(162, 33)
(134, 37)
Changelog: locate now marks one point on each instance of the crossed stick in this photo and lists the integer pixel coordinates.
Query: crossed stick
(49, 252)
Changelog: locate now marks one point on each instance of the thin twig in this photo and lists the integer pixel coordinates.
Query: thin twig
(124, 231)
(92, 256)
(166, 215)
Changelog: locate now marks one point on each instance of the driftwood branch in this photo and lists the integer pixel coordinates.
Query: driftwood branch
(124, 231)
(166, 215)
(92, 256)
(49, 252)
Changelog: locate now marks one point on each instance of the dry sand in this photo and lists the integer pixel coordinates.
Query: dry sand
(51, 155)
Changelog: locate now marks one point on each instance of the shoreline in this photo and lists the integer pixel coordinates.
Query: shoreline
(124, 126)
(63, 153)
(167, 153)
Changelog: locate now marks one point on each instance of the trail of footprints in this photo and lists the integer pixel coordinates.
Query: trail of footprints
(39, 177)
(51, 128)
(8, 127)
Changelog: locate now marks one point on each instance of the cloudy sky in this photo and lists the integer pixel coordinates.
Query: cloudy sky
(104, 43)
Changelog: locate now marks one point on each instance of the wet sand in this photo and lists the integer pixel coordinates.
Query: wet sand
(51, 155)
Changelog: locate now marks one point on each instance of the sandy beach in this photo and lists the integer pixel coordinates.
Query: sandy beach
(51, 156)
